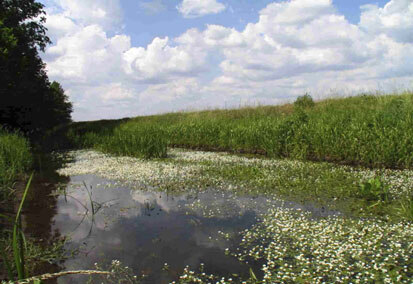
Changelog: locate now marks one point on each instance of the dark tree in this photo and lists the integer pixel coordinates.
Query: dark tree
(61, 108)
(28, 101)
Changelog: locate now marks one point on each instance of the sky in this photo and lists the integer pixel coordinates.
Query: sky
(125, 58)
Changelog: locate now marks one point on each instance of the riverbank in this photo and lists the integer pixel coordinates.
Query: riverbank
(368, 130)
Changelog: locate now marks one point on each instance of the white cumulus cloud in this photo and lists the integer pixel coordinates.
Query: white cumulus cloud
(160, 61)
(294, 47)
(395, 20)
(87, 55)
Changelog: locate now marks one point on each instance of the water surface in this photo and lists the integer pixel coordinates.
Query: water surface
(145, 230)
(106, 220)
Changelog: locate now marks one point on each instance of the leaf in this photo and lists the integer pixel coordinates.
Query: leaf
(252, 275)
(18, 240)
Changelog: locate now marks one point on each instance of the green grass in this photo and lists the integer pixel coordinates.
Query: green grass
(146, 141)
(18, 237)
(21, 255)
(368, 130)
(15, 158)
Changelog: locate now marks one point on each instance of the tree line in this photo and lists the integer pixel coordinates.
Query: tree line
(29, 102)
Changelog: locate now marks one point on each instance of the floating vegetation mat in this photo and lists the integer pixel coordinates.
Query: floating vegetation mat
(319, 237)
(295, 247)
(202, 169)
(299, 248)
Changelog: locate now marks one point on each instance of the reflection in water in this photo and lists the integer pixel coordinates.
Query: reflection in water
(41, 206)
(144, 230)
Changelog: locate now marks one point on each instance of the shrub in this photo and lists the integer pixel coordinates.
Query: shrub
(305, 101)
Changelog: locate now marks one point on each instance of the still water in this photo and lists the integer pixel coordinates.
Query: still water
(144, 230)
(104, 220)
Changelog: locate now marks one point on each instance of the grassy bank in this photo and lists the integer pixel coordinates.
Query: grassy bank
(15, 158)
(368, 130)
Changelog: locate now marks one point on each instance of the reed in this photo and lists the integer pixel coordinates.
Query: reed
(18, 241)
(15, 158)
(368, 130)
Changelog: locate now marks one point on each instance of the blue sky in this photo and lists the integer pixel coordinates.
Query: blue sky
(142, 24)
(119, 58)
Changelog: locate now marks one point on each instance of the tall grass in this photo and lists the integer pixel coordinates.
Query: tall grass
(369, 130)
(18, 241)
(15, 157)
(135, 140)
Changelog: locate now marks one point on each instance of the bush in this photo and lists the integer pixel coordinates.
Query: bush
(305, 101)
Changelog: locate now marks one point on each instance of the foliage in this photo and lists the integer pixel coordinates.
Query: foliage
(18, 242)
(15, 157)
(373, 131)
(22, 255)
(27, 100)
(118, 274)
(373, 190)
(59, 102)
(305, 101)
(406, 208)
(18, 237)
(136, 141)
(119, 138)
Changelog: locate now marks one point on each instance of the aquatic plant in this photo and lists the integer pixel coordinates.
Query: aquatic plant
(334, 187)
(114, 273)
(406, 208)
(297, 248)
(373, 190)
(18, 237)
(18, 241)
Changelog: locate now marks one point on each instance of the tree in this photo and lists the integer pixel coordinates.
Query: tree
(28, 101)
(62, 108)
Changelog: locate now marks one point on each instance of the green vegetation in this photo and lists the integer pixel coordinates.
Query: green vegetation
(28, 101)
(29, 105)
(367, 238)
(353, 191)
(305, 101)
(133, 140)
(19, 239)
(21, 255)
(371, 132)
(368, 130)
(15, 159)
